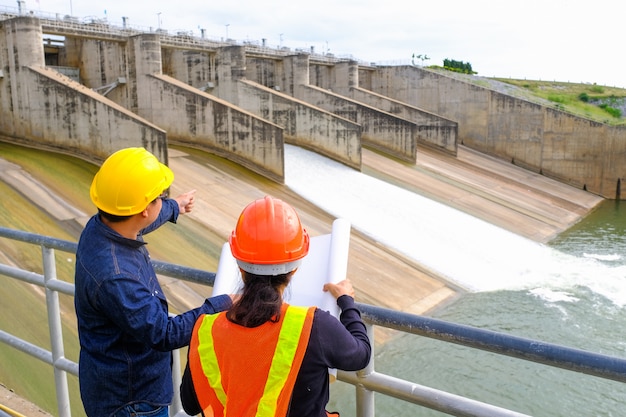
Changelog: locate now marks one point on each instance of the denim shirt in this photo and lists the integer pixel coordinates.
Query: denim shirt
(126, 335)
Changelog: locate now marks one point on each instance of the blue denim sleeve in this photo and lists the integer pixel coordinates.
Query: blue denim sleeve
(169, 213)
(144, 315)
(216, 304)
(180, 327)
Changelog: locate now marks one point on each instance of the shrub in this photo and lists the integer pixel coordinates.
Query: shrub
(556, 98)
(617, 113)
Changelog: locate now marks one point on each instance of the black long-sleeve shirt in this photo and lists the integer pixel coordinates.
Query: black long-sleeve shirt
(333, 344)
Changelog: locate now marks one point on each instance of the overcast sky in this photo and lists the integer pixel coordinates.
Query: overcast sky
(558, 40)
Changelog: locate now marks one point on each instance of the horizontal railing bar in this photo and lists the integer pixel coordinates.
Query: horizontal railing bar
(47, 241)
(425, 396)
(578, 360)
(22, 275)
(67, 366)
(500, 343)
(61, 286)
(176, 271)
(185, 273)
(26, 347)
(38, 279)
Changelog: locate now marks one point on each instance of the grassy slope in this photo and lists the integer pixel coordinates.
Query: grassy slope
(560, 95)
(566, 96)
(24, 308)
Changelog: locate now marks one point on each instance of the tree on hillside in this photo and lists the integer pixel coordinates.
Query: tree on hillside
(458, 66)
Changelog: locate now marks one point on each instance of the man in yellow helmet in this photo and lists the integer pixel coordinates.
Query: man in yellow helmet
(126, 335)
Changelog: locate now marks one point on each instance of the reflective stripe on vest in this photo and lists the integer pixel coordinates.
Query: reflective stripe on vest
(291, 340)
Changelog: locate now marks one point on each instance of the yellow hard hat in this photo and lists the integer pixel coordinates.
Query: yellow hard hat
(128, 181)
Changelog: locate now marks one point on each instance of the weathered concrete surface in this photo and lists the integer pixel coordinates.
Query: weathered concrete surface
(40, 107)
(189, 115)
(386, 132)
(304, 124)
(510, 197)
(206, 122)
(18, 406)
(577, 151)
(582, 153)
(431, 130)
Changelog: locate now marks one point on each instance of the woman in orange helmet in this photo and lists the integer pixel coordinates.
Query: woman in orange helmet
(264, 357)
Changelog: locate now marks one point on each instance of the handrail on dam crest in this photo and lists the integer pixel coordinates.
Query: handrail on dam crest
(56, 24)
(367, 382)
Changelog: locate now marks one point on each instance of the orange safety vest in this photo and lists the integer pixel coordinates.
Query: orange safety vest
(245, 372)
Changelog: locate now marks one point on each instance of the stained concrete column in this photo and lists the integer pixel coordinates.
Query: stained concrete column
(296, 73)
(23, 38)
(346, 77)
(144, 59)
(20, 47)
(231, 67)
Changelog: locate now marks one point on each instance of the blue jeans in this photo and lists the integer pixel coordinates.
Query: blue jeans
(142, 410)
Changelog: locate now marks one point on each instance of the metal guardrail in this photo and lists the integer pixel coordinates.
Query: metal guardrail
(62, 25)
(367, 381)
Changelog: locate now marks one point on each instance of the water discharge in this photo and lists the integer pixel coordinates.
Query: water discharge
(570, 292)
(466, 250)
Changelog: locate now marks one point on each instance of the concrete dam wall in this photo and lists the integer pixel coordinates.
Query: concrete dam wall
(244, 102)
(577, 151)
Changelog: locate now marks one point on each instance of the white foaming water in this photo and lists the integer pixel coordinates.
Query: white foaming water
(603, 257)
(467, 251)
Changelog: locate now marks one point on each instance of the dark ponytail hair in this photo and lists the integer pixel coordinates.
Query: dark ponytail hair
(260, 301)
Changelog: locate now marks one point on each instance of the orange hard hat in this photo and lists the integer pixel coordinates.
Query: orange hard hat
(269, 238)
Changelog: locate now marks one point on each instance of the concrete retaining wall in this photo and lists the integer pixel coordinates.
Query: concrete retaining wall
(187, 114)
(429, 129)
(43, 108)
(100, 63)
(575, 150)
(305, 125)
(266, 71)
(195, 68)
(379, 130)
(432, 130)
(206, 122)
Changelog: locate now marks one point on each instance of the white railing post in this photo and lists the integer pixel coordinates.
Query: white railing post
(365, 405)
(56, 333)
(177, 406)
